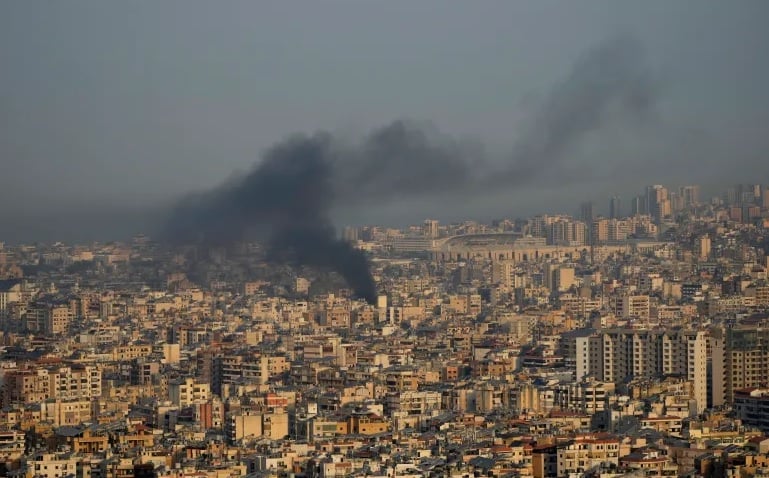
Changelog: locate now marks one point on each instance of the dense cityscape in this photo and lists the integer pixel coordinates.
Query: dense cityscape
(384, 239)
(631, 342)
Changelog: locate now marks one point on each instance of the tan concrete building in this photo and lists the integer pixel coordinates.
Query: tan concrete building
(256, 424)
(587, 452)
(745, 357)
(187, 391)
(616, 355)
(66, 412)
(74, 382)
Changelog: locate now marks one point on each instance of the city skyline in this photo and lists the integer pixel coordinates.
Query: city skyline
(152, 224)
(127, 125)
(384, 239)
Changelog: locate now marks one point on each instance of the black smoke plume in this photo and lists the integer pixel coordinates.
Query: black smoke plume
(286, 200)
(611, 80)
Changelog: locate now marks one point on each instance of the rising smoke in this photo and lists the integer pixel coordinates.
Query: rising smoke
(286, 200)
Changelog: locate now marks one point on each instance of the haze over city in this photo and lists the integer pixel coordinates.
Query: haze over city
(384, 239)
(111, 113)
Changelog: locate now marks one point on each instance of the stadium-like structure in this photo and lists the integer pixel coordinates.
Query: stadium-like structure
(514, 247)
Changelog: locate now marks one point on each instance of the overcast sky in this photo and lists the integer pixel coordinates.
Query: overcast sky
(124, 106)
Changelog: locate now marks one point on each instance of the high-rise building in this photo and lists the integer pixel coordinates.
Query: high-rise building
(548, 272)
(735, 213)
(639, 205)
(743, 195)
(657, 202)
(685, 353)
(586, 212)
(600, 231)
(690, 195)
(615, 207)
(748, 194)
(744, 353)
(619, 230)
(503, 273)
(750, 213)
(676, 202)
(431, 228)
(558, 232)
(619, 355)
(558, 277)
(562, 230)
(579, 233)
(703, 247)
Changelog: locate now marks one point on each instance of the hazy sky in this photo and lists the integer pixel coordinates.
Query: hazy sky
(123, 106)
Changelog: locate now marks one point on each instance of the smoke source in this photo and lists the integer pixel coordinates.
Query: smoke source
(285, 202)
(287, 198)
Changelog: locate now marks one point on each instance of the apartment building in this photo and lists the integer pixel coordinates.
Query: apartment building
(272, 423)
(586, 452)
(744, 353)
(231, 369)
(50, 465)
(40, 384)
(632, 306)
(413, 402)
(752, 407)
(187, 391)
(66, 412)
(620, 355)
(10, 292)
(49, 319)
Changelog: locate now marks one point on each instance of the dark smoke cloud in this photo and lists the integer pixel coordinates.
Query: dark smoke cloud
(611, 80)
(405, 158)
(285, 202)
(287, 199)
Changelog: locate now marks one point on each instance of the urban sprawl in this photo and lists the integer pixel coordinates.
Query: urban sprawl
(634, 342)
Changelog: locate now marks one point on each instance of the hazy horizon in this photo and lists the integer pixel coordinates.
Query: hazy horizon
(112, 112)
